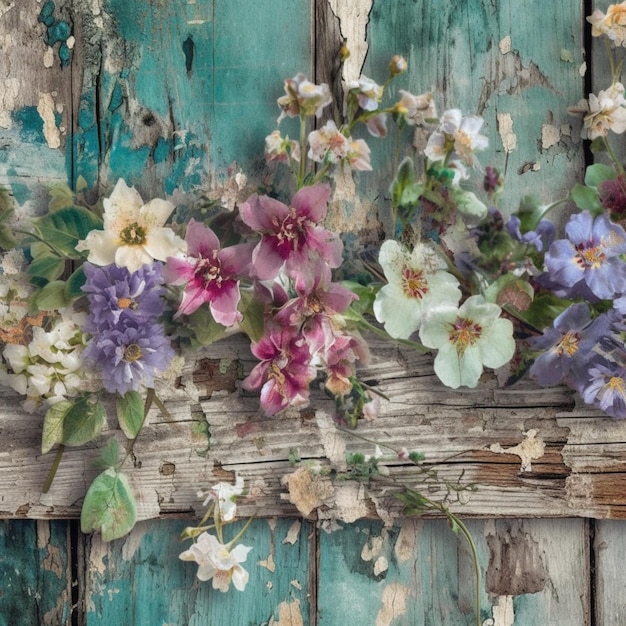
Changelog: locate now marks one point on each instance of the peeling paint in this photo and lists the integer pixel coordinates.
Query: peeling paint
(505, 129)
(505, 45)
(406, 540)
(307, 490)
(393, 604)
(334, 444)
(350, 503)
(353, 16)
(293, 533)
(530, 449)
(8, 100)
(372, 548)
(46, 110)
(502, 612)
(550, 136)
(268, 563)
(297, 584)
(289, 614)
(381, 565)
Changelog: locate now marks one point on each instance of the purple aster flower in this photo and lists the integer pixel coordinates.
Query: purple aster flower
(285, 370)
(568, 347)
(607, 389)
(291, 234)
(129, 355)
(210, 274)
(590, 254)
(541, 238)
(116, 294)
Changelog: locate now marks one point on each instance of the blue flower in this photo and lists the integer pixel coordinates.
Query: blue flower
(115, 294)
(129, 355)
(607, 389)
(541, 238)
(590, 256)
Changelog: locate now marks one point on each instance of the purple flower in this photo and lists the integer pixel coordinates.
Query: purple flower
(210, 274)
(116, 294)
(541, 238)
(590, 255)
(291, 234)
(128, 356)
(607, 389)
(285, 370)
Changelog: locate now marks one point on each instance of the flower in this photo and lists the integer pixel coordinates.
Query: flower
(417, 110)
(607, 389)
(417, 281)
(224, 494)
(280, 149)
(606, 112)
(328, 144)
(129, 355)
(367, 91)
(210, 274)
(590, 255)
(467, 339)
(541, 238)
(612, 24)
(285, 370)
(218, 562)
(397, 65)
(303, 97)
(134, 233)
(291, 234)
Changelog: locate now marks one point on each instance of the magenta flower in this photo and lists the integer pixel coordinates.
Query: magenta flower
(284, 372)
(291, 234)
(210, 274)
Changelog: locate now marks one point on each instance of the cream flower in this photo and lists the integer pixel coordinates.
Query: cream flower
(133, 232)
(215, 561)
(613, 24)
(607, 112)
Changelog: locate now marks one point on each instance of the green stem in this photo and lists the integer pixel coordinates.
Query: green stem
(611, 152)
(240, 534)
(53, 469)
(41, 240)
(303, 152)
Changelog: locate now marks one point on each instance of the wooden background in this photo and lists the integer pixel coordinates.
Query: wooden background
(177, 97)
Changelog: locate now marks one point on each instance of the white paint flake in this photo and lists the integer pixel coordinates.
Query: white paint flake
(289, 614)
(293, 533)
(48, 57)
(394, 604)
(45, 108)
(381, 565)
(528, 450)
(505, 45)
(550, 136)
(8, 100)
(505, 129)
(502, 612)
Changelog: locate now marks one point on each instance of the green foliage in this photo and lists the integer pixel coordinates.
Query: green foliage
(586, 198)
(109, 506)
(203, 329)
(73, 423)
(253, 316)
(6, 211)
(130, 413)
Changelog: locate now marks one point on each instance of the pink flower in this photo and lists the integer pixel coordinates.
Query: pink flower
(291, 234)
(284, 372)
(210, 274)
(341, 358)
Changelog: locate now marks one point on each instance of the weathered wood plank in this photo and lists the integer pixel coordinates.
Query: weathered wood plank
(609, 547)
(140, 580)
(35, 574)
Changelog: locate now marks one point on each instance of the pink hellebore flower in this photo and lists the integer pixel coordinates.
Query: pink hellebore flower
(210, 274)
(284, 372)
(291, 234)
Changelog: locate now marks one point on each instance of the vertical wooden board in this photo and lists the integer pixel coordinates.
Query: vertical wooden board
(139, 580)
(177, 92)
(534, 571)
(504, 60)
(35, 573)
(610, 574)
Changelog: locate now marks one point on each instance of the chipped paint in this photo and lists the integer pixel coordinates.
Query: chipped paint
(350, 503)
(353, 16)
(504, 45)
(550, 136)
(334, 444)
(268, 563)
(293, 533)
(531, 448)
(502, 612)
(406, 541)
(307, 489)
(393, 600)
(372, 548)
(505, 129)
(296, 584)
(289, 614)
(8, 100)
(46, 110)
(381, 565)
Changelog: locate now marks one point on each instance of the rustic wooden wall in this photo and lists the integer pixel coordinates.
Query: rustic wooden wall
(176, 98)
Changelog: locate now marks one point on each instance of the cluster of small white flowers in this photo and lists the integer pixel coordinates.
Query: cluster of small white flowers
(49, 368)
(14, 288)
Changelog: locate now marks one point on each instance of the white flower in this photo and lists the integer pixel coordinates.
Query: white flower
(417, 281)
(613, 24)
(328, 143)
(467, 338)
(133, 232)
(417, 110)
(215, 561)
(224, 495)
(607, 112)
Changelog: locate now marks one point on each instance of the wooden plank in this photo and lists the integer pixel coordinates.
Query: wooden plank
(609, 548)
(419, 573)
(140, 580)
(35, 574)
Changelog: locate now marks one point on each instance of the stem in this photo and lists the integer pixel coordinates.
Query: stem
(53, 469)
(611, 152)
(41, 240)
(240, 533)
(302, 168)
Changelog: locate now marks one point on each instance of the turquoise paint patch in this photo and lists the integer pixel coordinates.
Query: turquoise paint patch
(162, 150)
(117, 98)
(57, 31)
(20, 191)
(30, 124)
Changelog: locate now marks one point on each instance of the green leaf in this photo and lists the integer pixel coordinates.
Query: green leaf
(597, 173)
(253, 322)
(130, 413)
(109, 455)
(509, 289)
(204, 328)
(7, 240)
(64, 228)
(405, 177)
(61, 196)
(51, 297)
(366, 295)
(586, 198)
(73, 423)
(109, 506)
(73, 285)
(47, 266)
(544, 310)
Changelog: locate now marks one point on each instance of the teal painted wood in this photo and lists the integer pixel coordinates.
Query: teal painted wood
(35, 576)
(139, 580)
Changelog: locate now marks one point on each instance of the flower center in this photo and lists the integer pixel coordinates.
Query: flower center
(592, 257)
(210, 269)
(127, 303)
(568, 344)
(617, 385)
(133, 235)
(413, 283)
(291, 230)
(132, 352)
(464, 333)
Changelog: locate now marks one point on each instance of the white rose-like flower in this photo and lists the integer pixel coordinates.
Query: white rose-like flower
(134, 233)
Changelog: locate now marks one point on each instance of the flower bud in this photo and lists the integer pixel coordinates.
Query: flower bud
(397, 65)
